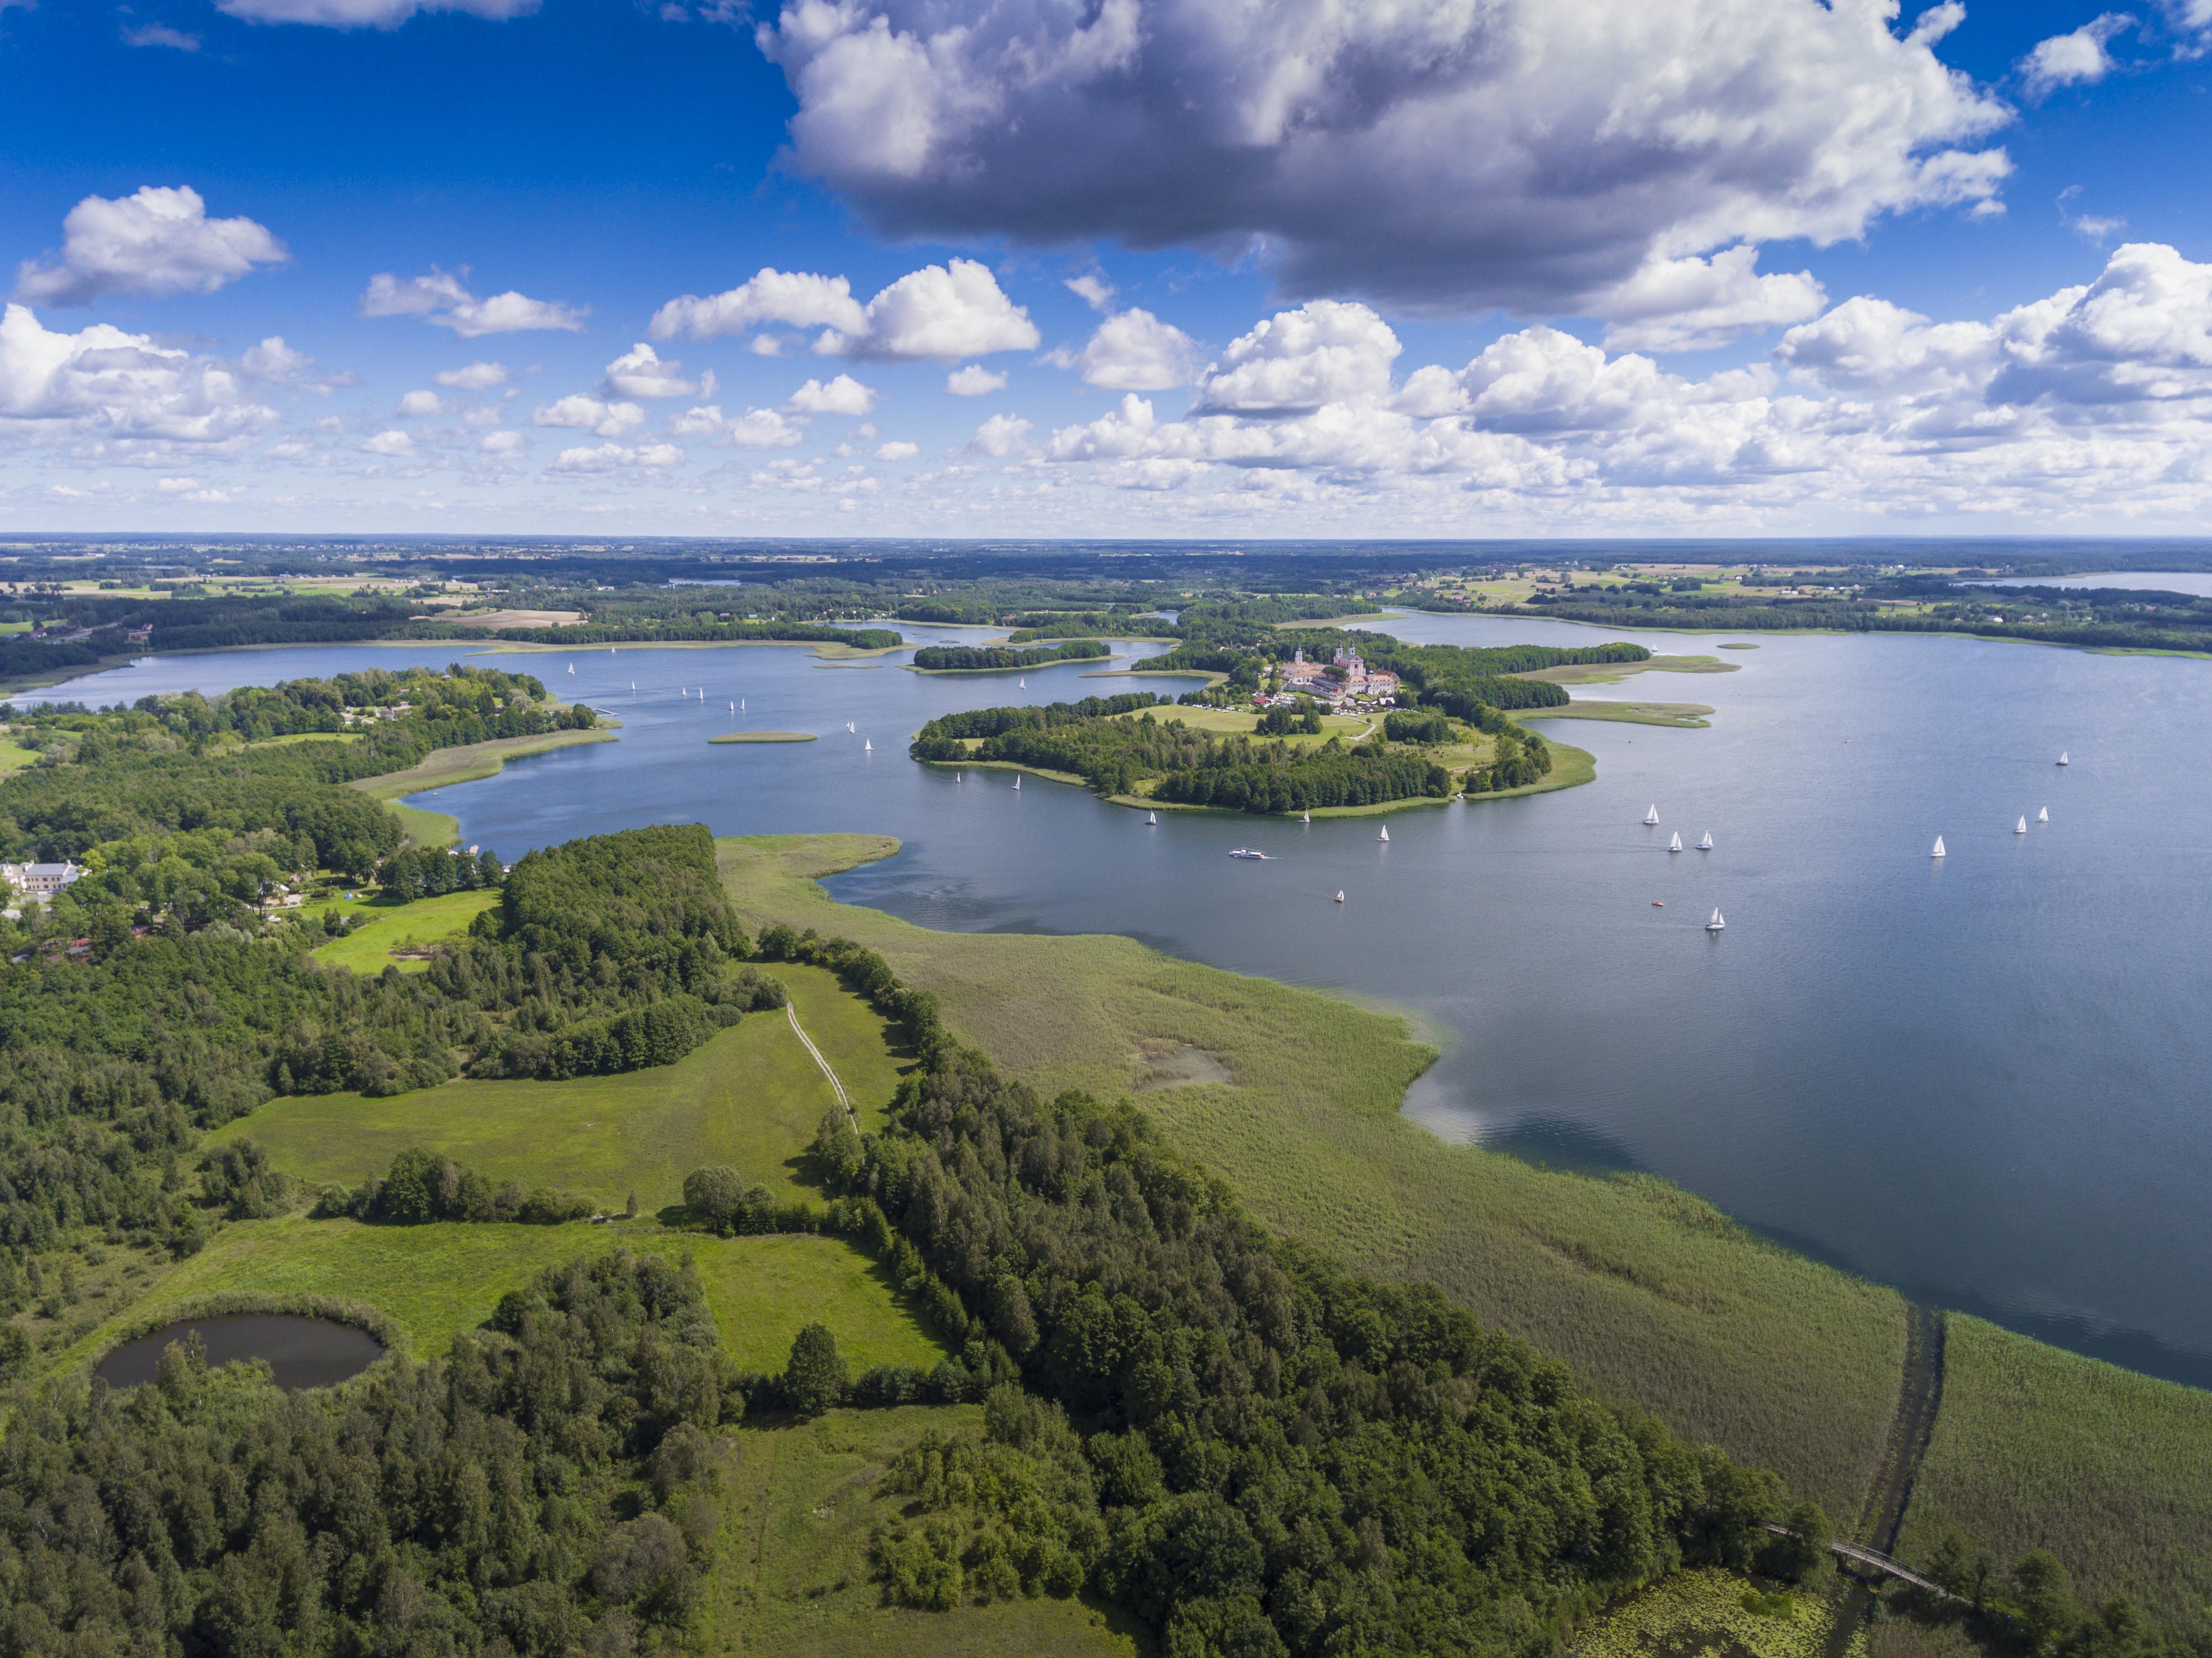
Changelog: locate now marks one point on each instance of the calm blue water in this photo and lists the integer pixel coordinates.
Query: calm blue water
(1982, 1081)
(2171, 582)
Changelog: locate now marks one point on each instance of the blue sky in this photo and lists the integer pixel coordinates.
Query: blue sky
(1592, 266)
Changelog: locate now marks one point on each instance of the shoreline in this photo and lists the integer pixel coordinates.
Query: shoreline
(467, 762)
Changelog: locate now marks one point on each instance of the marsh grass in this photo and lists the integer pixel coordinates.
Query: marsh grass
(1711, 1613)
(2038, 1448)
(1606, 673)
(1650, 1293)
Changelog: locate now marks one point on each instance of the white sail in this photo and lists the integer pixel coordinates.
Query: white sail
(2021, 828)
(1676, 845)
(1152, 818)
(2043, 816)
(866, 747)
(734, 707)
(633, 684)
(1022, 685)
(2062, 760)
(1706, 845)
(1340, 894)
(1386, 833)
(1305, 817)
(1715, 923)
(1938, 852)
(1652, 816)
(959, 777)
(741, 705)
(1017, 782)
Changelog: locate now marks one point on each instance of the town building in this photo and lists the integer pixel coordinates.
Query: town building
(40, 881)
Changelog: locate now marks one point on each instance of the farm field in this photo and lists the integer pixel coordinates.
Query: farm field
(1650, 1293)
(435, 1281)
(751, 1097)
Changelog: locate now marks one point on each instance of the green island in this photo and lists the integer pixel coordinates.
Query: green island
(764, 737)
(760, 1274)
(993, 658)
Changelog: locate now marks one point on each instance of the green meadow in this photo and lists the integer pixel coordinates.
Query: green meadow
(411, 928)
(751, 1097)
(435, 1281)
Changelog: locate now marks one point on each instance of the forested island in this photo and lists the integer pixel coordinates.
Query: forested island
(984, 659)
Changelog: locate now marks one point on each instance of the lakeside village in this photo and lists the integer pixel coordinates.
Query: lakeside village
(1344, 684)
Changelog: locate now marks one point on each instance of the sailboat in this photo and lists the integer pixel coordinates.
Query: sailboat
(741, 705)
(2062, 760)
(1386, 833)
(2043, 816)
(734, 707)
(1152, 820)
(1715, 923)
(2021, 828)
(1340, 894)
(1706, 845)
(1305, 817)
(1938, 852)
(866, 747)
(572, 669)
(1676, 845)
(1652, 816)
(959, 776)
(633, 684)
(1017, 782)
(1021, 684)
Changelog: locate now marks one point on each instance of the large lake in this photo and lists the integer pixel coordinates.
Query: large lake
(1984, 1081)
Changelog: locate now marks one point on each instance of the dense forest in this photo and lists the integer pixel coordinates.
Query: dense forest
(543, 1490)
(973, 659)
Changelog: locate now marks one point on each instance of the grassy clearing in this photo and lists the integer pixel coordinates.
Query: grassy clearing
(436, 1281)
(1685, 716)
(1709, 1613)
(1243, 722)
(791, 1576)
(411, 928)
(15, 758)
(751, 1098)
(466, 763)
(1606, 673)
(763, 736)
(2110, 1471)
(1649, 1292)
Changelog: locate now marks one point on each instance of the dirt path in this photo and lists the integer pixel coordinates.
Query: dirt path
(836, 1087)
(1919, 1397)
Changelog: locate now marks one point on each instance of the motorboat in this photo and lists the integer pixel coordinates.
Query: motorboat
(1256, 857)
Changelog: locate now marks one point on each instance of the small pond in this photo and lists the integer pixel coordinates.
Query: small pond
(301, 1352)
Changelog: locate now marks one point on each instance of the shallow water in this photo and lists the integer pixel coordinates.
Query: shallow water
(1980, 1080)
(301, 1352)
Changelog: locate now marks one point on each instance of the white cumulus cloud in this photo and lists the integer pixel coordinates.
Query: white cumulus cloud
(756, 428)
(473, 377)
(1692, 304)
(897, 449)
(956, 309)
(159, 241)
(1436, 154)
(975, 381)
(160, 34)
(1326, 351)
(392, 445)
(1000, 435)
(640, 372)
(585, 413)
(2077, 58)
(1134, 351)
(441, 298)
(614, 457)
(102, 381)
(841, 395)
